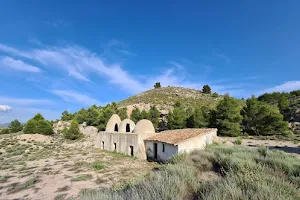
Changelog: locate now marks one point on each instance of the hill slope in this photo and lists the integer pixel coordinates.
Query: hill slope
(165, 97)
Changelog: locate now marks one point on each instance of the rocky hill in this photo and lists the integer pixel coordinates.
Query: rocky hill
(165, 97)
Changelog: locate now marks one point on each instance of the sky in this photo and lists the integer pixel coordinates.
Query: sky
(68, 55)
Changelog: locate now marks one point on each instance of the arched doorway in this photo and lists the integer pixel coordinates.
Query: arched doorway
(127, 128)
(116, 128)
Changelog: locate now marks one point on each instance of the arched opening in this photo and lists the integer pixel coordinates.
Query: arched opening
(127, 128)
(116, 128)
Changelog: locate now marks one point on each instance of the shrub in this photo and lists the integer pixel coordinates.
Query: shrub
(15, 126)
(73, 132)
(43, 127)
(97, 165)
(30, 127)
(237, 141)
(5, 131)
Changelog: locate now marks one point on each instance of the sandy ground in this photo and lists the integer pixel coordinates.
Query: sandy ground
(44, 167)
(286, 146)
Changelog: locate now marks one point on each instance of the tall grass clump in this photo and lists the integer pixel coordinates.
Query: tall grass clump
(240, 173)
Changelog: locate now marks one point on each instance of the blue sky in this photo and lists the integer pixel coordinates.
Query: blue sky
(65, 55)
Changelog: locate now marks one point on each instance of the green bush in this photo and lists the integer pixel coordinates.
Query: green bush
(4, 131)
(43, 127)
(15, 126)
(73, 132)
(237, 141)
(97, 165)
(31, 127)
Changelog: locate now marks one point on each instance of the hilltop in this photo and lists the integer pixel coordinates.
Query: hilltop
(165, 97)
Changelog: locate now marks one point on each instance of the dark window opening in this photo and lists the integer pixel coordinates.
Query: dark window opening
(102, 144)
(155, 150)
(163, 149)
(127, 128)
(131, 151)
(116, 128)
(115, 144)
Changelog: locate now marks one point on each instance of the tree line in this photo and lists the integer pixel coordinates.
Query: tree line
(232, 118)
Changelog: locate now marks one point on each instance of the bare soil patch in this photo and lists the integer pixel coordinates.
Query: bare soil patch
(35, 166)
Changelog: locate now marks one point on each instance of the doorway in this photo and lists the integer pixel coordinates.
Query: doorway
(116, 128)
(102, 144)
(155, 150)
(115, 145)
(131, 151)
(127, 128)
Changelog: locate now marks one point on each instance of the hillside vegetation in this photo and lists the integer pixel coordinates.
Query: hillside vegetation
(219, 172)
(164, 98)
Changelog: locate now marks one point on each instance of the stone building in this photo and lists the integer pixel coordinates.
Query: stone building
(166, 144)
(125, 137)
(141, 141)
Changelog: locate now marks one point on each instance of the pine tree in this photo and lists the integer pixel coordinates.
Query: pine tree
(206, 89)
(122, 112)
(38, 117)
(135, 115)
(177, 118)
(154, 115)
(73, 132)
(31, 126)
(228, 117)
(15, 126)
(44, 127)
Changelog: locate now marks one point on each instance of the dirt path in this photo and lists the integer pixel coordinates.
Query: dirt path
(286, 146)
(43, 167)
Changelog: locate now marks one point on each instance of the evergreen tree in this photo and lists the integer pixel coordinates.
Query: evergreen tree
(154, 116)
(263, 119)
(228, 117)
(81, 116)
(15, 126)
(44, 127)
(66, 116)
(135, 115)
(73, 132)
(157, 85)
(122, 112)
(177, 118)
(144, 114)
(92, 114)
(206, 89)
(5, 131)
(202, 117)
(38, 117)
(31, 126)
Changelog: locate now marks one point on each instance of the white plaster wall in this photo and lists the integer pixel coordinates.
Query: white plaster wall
(142, 149)
(170, 150)
(123, 142)
(199, 142)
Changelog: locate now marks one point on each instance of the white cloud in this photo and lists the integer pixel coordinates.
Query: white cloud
(176, 64)
(18, 65)
(285, 87)
(25, 113)
(80, 63)
(24, 101)
(126, 52)
(5, 108)
(75, 97)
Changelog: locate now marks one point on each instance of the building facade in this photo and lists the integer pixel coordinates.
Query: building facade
(125, 137)
(140, 140)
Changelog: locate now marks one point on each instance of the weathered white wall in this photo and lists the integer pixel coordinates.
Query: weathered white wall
(123, 142)
(170, 150)
(196, 142)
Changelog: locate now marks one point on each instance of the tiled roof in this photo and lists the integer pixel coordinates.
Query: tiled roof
(176, 136)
